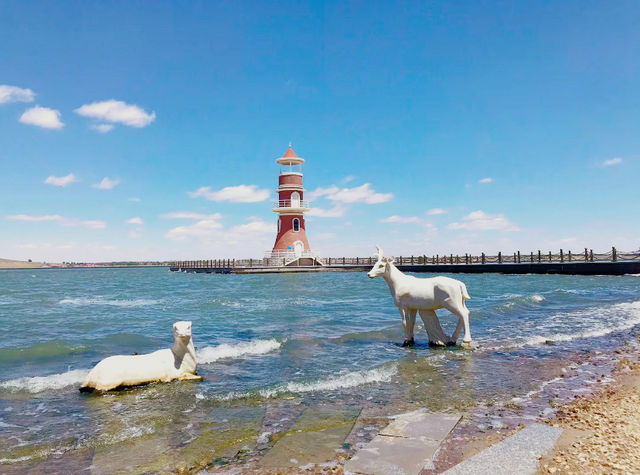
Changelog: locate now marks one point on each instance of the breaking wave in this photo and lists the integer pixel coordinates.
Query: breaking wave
(85, 301)
(334, 383)
(39, 384)
(209, 354)
(588, 323)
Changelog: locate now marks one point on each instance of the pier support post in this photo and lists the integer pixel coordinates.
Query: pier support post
(539, 256)
(499, 257)
(591, 255)
(614, 254)
(586, 255)
(561, 256)
(484, 259)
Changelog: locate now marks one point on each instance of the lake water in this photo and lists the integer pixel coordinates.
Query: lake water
(269, 347)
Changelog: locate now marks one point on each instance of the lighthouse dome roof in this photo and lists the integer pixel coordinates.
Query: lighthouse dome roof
(290, 158)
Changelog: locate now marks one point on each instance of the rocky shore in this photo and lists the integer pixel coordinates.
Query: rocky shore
(601, 432)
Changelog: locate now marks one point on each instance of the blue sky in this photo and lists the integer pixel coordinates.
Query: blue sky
(427, 127)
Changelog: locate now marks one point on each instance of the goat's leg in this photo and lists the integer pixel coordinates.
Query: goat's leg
(408, 332)
(462, 312)
(411, 323)
(434, 330)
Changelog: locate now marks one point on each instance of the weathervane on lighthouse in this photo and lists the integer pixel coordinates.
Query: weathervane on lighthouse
(291, 246)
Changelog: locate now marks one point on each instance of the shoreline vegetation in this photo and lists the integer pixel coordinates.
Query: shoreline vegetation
(16, 264)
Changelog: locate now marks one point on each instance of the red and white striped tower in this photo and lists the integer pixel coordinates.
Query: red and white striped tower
(291, 246)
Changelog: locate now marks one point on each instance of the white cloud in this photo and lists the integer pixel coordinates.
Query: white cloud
(211, 232)
(402, 219)
(358, 194)
(117, 112)
(435, 211)
(486, 180)
(15, 94)
(336, 212)
(202, 229)
(190, 215)
(103, 128)
(611, 162)
(106, 184)
(135, 200)
(135, 220)
(61, 180)
(320, 191)
(42, 117)
(234, 194)
(256, 226)
(481, 221)
(91, 223)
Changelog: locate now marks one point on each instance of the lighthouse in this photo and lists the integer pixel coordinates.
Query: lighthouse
(291, 246)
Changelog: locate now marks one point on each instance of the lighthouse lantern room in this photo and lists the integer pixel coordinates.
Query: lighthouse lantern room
(291, 246)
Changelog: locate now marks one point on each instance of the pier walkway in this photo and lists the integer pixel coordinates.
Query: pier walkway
(583, 263)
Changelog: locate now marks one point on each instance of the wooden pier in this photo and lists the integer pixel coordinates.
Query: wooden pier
(582, 263)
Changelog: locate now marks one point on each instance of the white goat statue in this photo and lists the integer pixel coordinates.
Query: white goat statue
(165, 365)
(412, 295)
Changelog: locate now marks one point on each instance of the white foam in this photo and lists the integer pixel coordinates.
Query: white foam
(344, 381)
(606, 320)
(53, 382)
(348, 380)
(209, 354)
(85, 301)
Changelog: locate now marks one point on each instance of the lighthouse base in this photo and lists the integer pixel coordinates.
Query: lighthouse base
(291, 259)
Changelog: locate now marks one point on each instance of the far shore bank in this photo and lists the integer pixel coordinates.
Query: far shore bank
(15, 264)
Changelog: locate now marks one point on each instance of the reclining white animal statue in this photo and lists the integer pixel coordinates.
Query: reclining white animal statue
(412, 295)
(165, 365)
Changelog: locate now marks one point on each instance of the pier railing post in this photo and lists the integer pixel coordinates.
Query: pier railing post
(550, 260)
(614, 254)
(532, 256)
(586, 255)
(539, 256)
(561, 256)
(484, 259)
(518, 257)
(569, 255)
(591, 255)
(500, 257)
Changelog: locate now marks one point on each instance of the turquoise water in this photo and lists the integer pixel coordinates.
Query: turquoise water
(268, 341)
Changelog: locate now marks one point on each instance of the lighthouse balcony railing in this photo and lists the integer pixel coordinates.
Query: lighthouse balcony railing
(292, 204)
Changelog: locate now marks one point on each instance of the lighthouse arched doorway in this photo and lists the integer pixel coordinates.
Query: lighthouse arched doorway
(298, 248)
(295, 199)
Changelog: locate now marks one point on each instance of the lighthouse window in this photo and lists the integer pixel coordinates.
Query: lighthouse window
(279, 224)
(296, 225)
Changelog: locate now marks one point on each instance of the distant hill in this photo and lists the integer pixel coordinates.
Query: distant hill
(11, 264)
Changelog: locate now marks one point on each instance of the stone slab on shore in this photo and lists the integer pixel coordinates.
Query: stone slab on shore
(519, 453)
(405, 446)
(313, 439)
